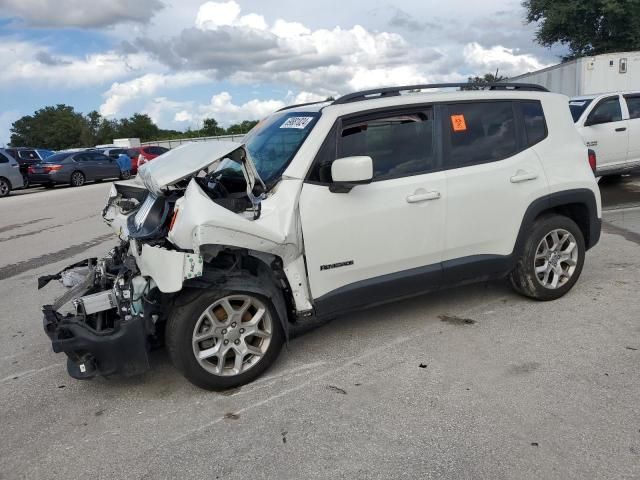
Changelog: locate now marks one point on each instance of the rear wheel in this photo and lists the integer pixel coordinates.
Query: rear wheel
(25, 181)
(224, 339)
(552, 259)
(77, 179)
(126, 175)
(5, 187)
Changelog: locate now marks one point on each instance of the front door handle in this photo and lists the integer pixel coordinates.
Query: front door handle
(621, 129)
(422, 196)
(522, 176)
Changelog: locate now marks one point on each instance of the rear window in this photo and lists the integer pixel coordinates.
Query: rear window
(132, 153)
(3, 158)
(534, 123)
(57, 157)
(156, 150)
(481, 132)
(28, 155)
(633, 104)
(577, 107)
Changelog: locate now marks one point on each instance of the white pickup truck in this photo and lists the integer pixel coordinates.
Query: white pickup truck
(609, 123)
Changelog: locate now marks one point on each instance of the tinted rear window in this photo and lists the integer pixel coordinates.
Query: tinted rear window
(481, 132)
(633, 104)
(57, 157)
(534, 123)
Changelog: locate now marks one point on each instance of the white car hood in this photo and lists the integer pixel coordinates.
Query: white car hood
(186, 160)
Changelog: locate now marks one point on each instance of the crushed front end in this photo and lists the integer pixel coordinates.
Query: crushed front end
(111, 320)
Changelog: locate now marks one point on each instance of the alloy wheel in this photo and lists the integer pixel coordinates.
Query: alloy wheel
(4, 188)
(232, 335)
(77, 179)
(556, 258)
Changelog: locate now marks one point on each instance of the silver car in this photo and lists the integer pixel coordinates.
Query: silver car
(10, 176)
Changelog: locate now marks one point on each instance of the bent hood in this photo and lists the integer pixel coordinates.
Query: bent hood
(190, 158)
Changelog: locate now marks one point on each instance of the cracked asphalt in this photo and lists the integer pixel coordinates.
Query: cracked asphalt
(475, 382)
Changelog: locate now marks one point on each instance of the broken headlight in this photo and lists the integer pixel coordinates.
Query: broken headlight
(149, 220)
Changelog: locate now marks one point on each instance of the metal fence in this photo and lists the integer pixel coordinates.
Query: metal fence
(180, 141)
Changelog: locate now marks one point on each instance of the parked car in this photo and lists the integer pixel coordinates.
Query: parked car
(610, 125)
(146, 154)
(226, 248)
(10, 176)
(75, 168)
(28, 156)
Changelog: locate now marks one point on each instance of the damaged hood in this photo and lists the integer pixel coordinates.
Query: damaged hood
(190, 158)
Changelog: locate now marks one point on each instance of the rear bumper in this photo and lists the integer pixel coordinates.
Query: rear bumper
(122, 350)
(54, 177)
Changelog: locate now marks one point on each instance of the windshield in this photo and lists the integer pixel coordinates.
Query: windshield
(273, 143)
(577, 107)
(57, 157)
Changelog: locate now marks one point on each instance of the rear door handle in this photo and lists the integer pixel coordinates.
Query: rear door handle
(522, 176)
(621, 129)
(422, 196)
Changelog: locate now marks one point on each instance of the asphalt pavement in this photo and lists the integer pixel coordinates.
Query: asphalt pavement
(476, 382)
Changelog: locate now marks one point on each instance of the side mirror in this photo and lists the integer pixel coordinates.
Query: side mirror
(348, 172)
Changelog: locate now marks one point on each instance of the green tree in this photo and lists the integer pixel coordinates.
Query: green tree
(476, 83)
(138, 126)
(587, 27)
(56, 128)
(210, 128)
(243, 127)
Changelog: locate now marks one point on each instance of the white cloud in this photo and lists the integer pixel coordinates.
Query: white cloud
(120, 94)
(507, 60)
(80, 13)
(183, 116)
(222, 108)
(35, 65)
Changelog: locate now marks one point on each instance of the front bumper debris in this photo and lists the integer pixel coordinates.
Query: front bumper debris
(114, 318)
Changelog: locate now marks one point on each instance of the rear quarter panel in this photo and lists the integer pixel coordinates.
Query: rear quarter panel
(563, 154)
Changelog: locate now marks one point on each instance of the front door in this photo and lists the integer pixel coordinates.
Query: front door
(384, 239)
(606, 132)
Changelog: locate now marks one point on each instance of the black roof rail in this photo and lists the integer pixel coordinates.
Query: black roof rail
(301, 105)
(395, 91)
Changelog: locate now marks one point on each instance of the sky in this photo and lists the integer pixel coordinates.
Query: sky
(181, 61)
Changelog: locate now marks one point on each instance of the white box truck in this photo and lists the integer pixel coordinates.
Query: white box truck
(610, 72)
(126, 142)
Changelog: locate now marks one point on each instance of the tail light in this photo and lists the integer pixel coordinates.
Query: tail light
(30, 170)
(173, 219)
(592, 161)
(51, 168)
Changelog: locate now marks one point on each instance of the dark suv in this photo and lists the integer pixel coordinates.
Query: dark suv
(28, 156)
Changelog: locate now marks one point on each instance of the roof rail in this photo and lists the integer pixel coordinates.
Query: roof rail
(395, 91)
(301, 105)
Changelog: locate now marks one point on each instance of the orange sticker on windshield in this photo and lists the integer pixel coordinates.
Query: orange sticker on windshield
(458, 123)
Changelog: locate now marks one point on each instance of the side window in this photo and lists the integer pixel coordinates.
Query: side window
(535, 126)
(132, 153)
(400, 145)
(481, 132)
(83, 157)
(608, 110)
(3, 158)
(633, 104)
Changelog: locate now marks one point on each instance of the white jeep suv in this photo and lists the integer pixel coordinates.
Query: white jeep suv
(609, 124)
(228, 248)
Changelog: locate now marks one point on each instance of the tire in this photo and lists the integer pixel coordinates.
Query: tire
(25, 181)
(561, 271)
(5, 187)
(206, 313)
(49, 186)
(126, 175)
(77, 179)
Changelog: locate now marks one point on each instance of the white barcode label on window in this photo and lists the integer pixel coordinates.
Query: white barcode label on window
(296, 122)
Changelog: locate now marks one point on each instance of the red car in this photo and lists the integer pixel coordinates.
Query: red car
(141, 155)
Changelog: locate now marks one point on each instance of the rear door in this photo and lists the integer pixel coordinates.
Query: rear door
(606, 132)
(633, 107)
(492, 176)
(383, 239)
(87, 165)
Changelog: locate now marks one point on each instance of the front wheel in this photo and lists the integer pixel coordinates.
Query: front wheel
(224, 339)
(552, 259)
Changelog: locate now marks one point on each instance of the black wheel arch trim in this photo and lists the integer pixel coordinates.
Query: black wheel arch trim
(580, 196)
